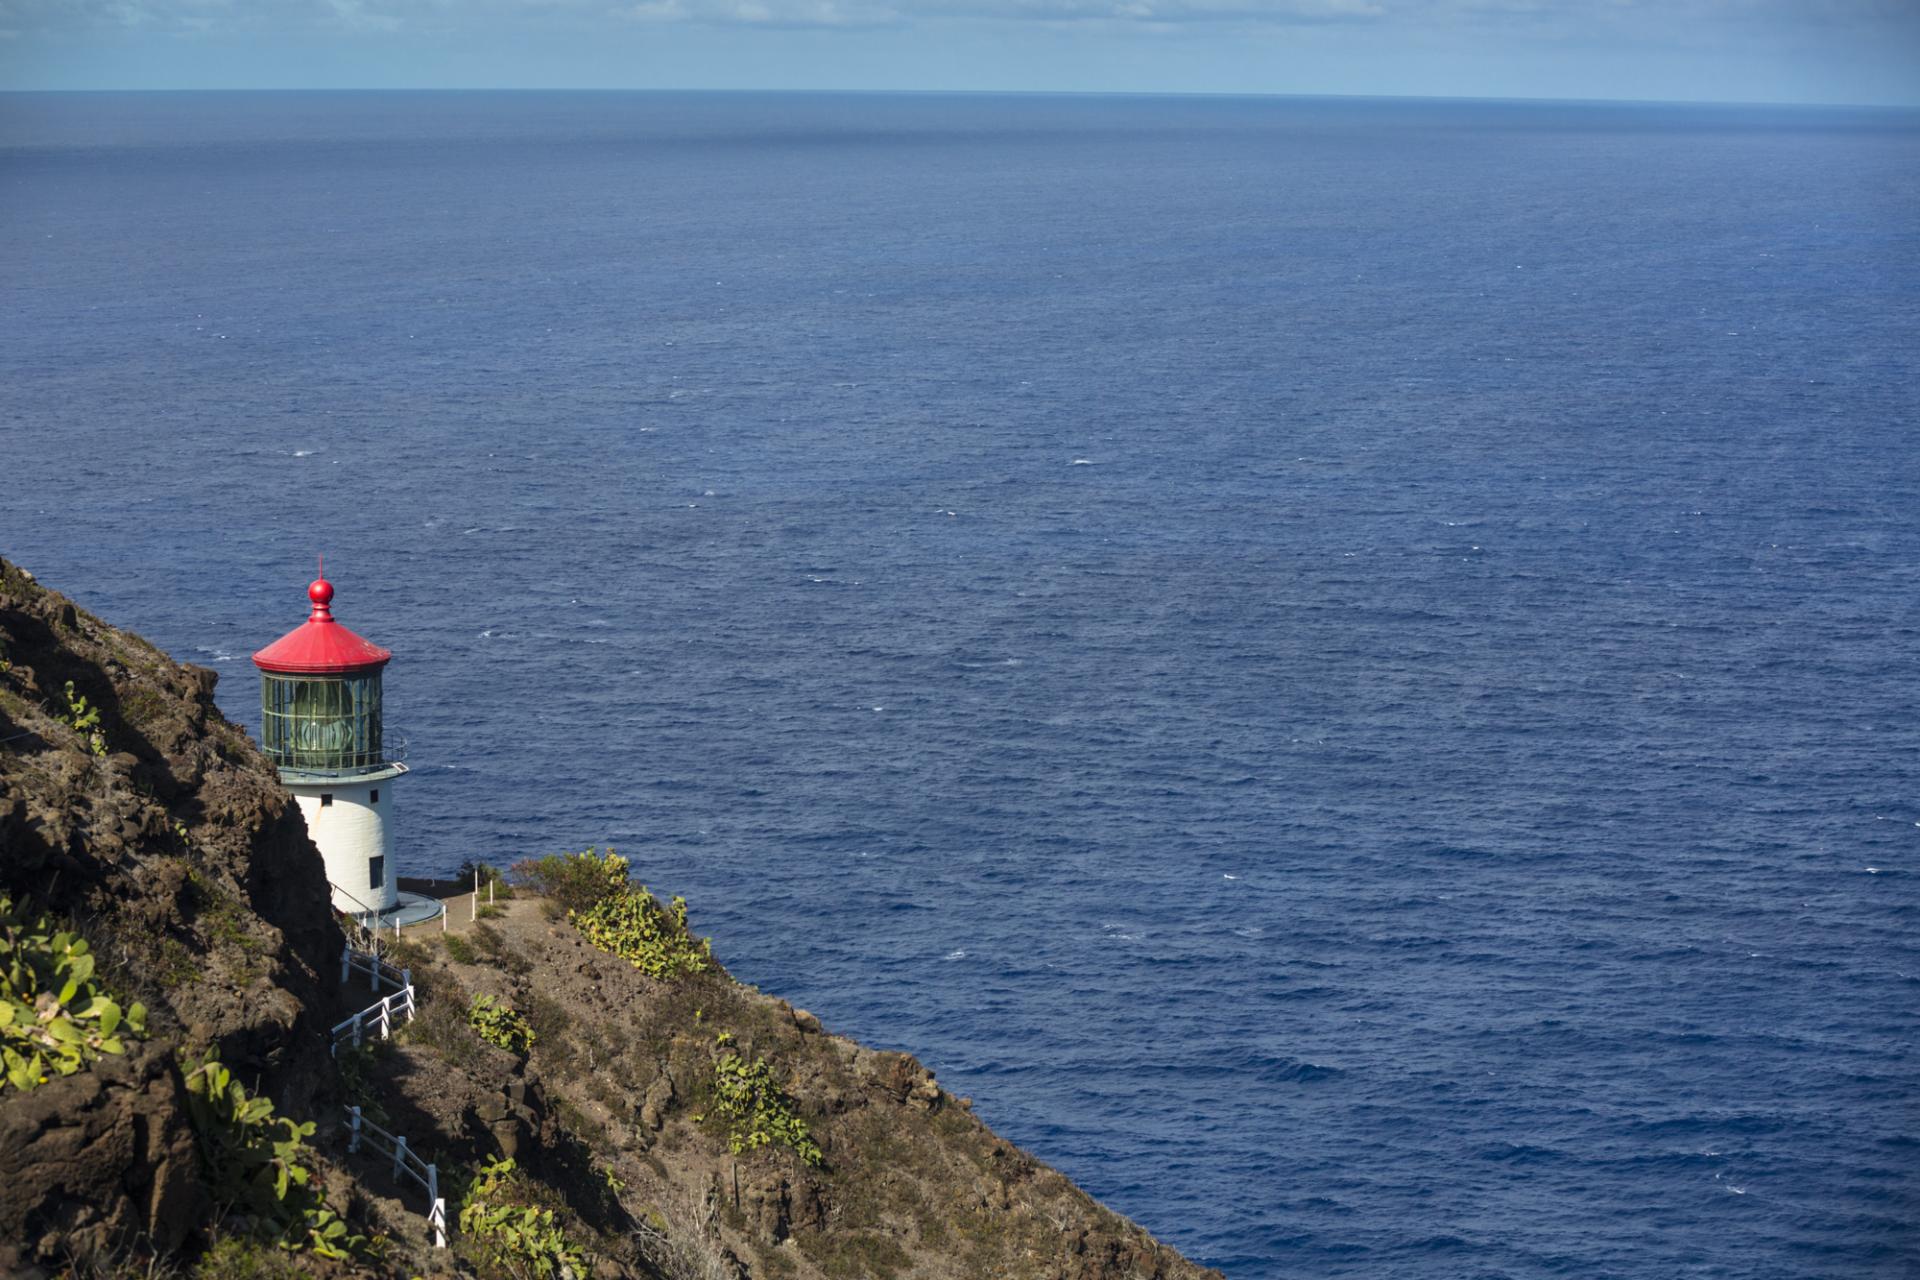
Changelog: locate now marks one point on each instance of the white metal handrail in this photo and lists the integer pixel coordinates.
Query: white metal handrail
(366, 923)
(405, 1163)
(367, 962)
(378, 1014)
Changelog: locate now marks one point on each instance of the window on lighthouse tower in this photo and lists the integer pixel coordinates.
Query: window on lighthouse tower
(376, 871)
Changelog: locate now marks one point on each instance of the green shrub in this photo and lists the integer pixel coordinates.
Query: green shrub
(653, 939)
(514, 1237)
(459, 950)
(54, 1018)
(498, 1024)
(617, 916)
(575, 881)
(256, 1166)
(83, 719)
(758, 1112)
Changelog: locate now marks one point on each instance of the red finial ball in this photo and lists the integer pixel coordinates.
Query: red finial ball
(321, 592)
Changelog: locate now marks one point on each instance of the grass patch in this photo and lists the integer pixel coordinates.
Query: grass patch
(855, 1256)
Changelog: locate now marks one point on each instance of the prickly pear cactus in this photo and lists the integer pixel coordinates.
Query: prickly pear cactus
(54, 1018)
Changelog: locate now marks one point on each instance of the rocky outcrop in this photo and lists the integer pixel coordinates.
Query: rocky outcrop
(100, 1159)
(168, 842)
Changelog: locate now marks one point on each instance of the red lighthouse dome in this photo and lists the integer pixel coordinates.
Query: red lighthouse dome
(320, 646)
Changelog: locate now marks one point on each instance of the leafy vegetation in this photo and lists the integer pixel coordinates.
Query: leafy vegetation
(54, 1018)
(244, 1258)
(512, 1236)
(758, 1112)
(574, 881)
(83, 719)
(652, 938)
(496, 1023)
(257, 1167)
(616, 915)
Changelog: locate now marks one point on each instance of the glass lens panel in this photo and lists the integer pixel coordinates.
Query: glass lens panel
(321, 723)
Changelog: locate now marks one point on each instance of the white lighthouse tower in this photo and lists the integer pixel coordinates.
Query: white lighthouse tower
(320, 722)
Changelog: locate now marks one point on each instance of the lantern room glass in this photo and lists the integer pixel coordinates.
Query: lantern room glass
(321, 723)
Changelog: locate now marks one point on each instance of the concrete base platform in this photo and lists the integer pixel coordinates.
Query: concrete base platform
(413, 908)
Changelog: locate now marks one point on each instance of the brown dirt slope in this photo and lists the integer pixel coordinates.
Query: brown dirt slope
(169, 843)
(910, 1183)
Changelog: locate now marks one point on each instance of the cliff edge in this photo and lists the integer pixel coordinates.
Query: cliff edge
(596, 1094)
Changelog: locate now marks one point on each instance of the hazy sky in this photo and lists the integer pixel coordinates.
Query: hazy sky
(1858, 51)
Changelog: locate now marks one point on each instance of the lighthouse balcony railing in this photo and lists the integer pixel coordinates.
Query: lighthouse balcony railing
(323, 766)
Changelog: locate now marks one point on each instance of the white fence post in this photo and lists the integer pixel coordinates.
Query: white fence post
(353, 1139)
(356, 1030)
(383, 1020)
(437, 1208)
(346, 961)
(399, 1155)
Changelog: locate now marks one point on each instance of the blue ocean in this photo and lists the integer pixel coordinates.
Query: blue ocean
(1346, 668)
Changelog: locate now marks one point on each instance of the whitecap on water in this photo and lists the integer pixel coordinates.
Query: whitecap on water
(961, 954)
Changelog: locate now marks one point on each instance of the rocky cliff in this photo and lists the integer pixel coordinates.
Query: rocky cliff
(598, 1094)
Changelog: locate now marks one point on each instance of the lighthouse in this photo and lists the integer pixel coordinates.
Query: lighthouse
(320, 722)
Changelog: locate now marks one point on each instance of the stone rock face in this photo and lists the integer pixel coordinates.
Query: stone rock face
(659, 1097)
(100, 1158)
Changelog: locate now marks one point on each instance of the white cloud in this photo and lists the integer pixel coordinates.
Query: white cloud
(1649, 19)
